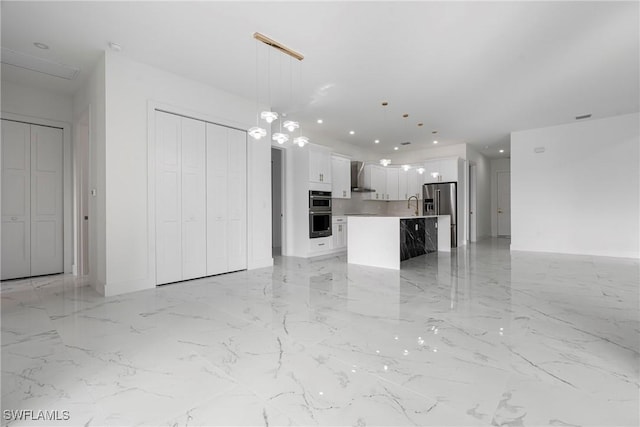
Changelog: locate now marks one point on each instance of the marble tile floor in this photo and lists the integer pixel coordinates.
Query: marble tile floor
(478, 337)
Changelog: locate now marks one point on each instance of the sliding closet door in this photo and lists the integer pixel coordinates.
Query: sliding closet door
(194, 226)
(226, 199)
(16, 200)
(46, 200)
(168, 198)
(217, 195)
(237, 200)
(181, 244)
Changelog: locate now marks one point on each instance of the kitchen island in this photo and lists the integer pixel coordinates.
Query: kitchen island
(384, 241)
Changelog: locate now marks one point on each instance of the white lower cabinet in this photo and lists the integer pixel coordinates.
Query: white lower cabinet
(339, 233)
(200, 198)
(320, 245)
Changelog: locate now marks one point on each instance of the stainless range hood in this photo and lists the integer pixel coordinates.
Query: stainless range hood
(357, 178)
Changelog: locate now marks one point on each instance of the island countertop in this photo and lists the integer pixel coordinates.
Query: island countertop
(375, 240)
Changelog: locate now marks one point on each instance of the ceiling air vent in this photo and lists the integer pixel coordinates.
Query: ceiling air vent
(40, 65)
(585, 116)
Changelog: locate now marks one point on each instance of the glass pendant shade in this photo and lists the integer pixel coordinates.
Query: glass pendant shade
(290, 125)
(406, 167)
(301, 141)
(385, 162)
(280, 138)
(269, 116)
(257, 132)
(420, 171)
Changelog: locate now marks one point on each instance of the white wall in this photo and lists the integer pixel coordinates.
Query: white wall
(92, 98)
(483, 192)
(497, 165)
(581, 195)
(403, 155)
(35, 102)
(132, 90)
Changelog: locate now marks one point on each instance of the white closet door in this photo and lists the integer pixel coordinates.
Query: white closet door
(168, 199)
(46, 200)
(194, 226)
(237, 200)
(16, 200)
(217, 196)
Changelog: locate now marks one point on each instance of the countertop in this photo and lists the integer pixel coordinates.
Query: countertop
(394, 216)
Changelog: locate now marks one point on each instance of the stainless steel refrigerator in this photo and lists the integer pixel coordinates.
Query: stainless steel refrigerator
(441, 199)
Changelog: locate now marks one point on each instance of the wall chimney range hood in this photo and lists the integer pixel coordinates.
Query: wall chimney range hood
(357, 178)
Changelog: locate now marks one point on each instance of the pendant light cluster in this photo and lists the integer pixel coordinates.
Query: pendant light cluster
(258, 132)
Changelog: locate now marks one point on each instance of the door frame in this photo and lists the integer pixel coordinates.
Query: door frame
(68, 217)
(473, 202)
(283, 198)
(498, 173)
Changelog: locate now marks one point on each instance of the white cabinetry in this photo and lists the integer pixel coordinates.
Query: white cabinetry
(180, 202)
(441, 170)
(392, 184)
(409, 185)
(375, 177)
(340, 177)
(226, 199)
(339, 233)
(320, 245)
(319, 164)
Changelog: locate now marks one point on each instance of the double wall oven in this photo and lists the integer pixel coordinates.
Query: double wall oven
(319, 214)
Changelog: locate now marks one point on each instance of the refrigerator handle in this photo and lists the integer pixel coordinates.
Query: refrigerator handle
(437, 202)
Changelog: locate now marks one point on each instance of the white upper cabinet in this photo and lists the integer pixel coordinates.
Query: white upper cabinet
(341, 177)
(375, 177)
(319, 164)
(392, 185)
(408, 184)
(441, 170)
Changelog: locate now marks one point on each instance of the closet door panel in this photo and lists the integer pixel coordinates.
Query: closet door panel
(237, 200)
(194, 227)
(168, 199)
(46, 200)
(16, 200)
(217, 199)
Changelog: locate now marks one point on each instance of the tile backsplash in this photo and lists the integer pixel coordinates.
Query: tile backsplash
(358, 205)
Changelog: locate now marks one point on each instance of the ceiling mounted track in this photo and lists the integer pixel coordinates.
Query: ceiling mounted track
(282, 48)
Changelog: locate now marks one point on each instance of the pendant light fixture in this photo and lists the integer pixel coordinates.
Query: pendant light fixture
(271, 116)
(257, 132)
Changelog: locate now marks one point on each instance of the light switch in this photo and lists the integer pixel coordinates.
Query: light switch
(94, 192)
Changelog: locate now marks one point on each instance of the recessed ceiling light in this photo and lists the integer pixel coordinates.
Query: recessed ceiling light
(377, 141)
(319, 121)
(115, 46)
(405, 115)
(351, 132)
(385, 103)
(434, 132)
(502, 151)
(395, 148)
(435, 142)
(420, 124)
(41, 45)
(405, 143)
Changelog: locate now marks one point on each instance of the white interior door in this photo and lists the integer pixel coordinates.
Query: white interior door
(504, 203)
(473, 216)
(168, 199)
(217, 196)
(194, 226)
(46, 201)
(16, 200)
(237, 200)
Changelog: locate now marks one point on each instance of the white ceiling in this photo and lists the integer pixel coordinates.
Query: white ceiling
(473, 71)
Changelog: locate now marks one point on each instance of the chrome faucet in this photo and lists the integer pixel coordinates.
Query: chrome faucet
(409, 204)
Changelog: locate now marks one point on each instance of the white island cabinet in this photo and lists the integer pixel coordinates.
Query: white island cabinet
(376, 240)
